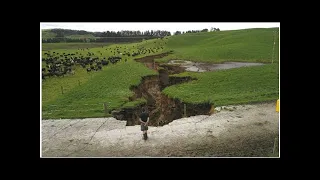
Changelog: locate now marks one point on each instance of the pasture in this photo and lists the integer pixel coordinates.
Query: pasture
(232, 86)
(71, 91)
(248, 45)
(80, 81)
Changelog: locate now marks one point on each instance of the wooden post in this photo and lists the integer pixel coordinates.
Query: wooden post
(62, 89)
(185, 110)
(105, 108)
(211, 109)
(274, 43)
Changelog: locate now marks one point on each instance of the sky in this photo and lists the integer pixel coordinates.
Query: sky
(169, 26)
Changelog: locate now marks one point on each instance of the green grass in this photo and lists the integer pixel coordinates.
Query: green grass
(51, 87)
(233, 86)
(111, 86)
(250, 45)
(135, 103)
(108, 86)
(64, 46)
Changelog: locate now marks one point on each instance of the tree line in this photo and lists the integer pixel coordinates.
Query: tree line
(196, 31)
(97, 39)
(63, 35)
(126, 33)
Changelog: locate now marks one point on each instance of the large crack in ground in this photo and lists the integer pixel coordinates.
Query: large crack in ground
(162, 109)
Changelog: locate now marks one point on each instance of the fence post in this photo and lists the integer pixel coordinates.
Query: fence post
(62, 89)
(274, 43)
(105, 108)
(185, 110)
(211, 109)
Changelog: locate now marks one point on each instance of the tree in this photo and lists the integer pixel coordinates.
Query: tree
(214, 29)
(177, 33)
(204, 30)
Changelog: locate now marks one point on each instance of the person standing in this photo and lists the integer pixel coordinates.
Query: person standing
(144, 120)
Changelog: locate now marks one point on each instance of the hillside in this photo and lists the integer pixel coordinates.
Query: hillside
(46, 33)
(250, 45)
(234, 86)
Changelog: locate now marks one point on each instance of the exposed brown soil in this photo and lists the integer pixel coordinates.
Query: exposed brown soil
(162, 109)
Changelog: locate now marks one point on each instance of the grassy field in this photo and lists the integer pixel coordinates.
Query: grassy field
(249, 45)
(233, 86)
(85, 93)
(86, 100)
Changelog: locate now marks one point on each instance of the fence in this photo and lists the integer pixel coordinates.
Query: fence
(171, 106)
(105, 107)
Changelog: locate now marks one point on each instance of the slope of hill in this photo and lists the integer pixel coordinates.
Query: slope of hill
(234, 86)
(46, 33)
(250, 45)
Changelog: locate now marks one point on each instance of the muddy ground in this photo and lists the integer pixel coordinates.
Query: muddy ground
(235, 131)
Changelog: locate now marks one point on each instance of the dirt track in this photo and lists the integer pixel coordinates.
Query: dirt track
(235, 131)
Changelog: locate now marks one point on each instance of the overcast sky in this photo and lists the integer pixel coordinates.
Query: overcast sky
(168, 26)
